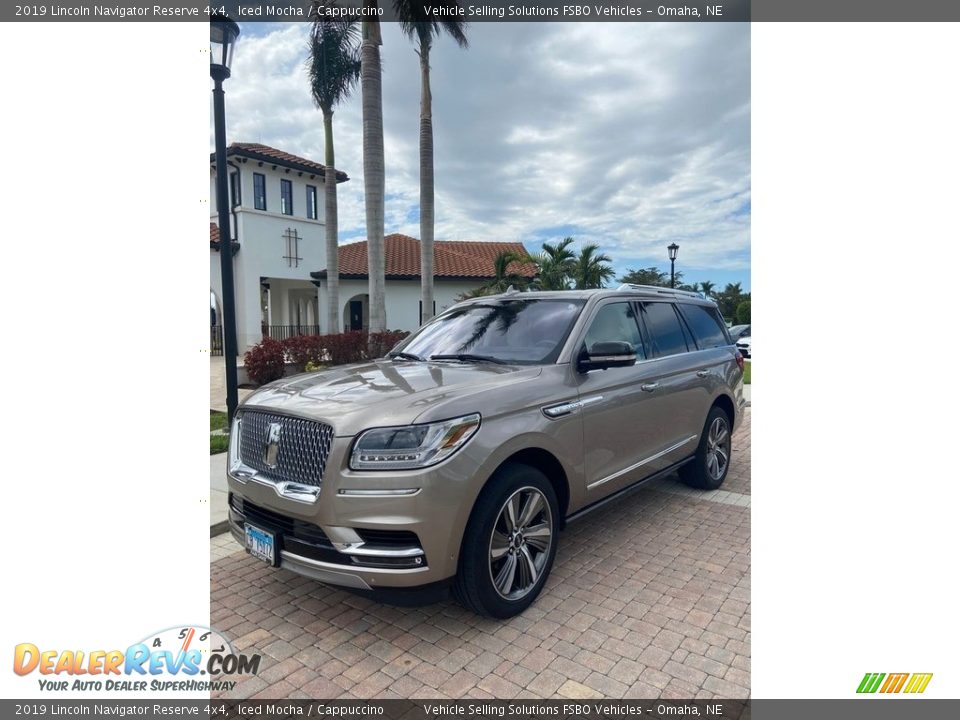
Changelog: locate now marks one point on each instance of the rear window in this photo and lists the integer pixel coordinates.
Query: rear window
(663, 325)
(706, 325)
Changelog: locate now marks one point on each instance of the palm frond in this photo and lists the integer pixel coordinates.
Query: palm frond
(334, 61)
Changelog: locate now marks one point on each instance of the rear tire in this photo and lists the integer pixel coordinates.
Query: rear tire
(509, 544)
(710, 465)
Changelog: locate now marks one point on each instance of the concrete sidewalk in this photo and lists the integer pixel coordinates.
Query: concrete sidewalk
(218, 384)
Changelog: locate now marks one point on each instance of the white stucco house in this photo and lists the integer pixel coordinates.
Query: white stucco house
(278, 238)
(459, 267)
(279, 256)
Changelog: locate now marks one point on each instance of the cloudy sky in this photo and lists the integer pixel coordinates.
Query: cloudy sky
(628, 135)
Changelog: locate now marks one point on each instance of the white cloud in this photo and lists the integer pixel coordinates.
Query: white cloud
(630, 135)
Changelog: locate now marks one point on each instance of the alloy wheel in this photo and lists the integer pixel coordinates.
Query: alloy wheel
(718, 448)
(520, 543)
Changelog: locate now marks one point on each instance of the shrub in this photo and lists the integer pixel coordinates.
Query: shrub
(264, 362)
(743, 313)
(381, 343)
(302, 350)
(344, 348)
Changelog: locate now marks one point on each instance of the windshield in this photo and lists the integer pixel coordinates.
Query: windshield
(516, 331)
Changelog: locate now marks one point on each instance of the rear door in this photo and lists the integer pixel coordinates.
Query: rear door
(678, 390)
(714, 357)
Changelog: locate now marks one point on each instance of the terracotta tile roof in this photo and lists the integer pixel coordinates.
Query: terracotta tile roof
(265, 153)
(214, 237)
(452, 259)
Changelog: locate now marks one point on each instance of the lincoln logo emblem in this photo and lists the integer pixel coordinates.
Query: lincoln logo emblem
(272, 449)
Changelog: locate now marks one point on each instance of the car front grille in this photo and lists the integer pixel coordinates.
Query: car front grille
(302, 447)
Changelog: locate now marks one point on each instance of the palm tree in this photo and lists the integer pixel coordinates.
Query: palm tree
(504, 275)
(647, 276)
(591, 269)
(706, 287)
(555, 264)
(334, 68)
(373, 162)
(422, 28)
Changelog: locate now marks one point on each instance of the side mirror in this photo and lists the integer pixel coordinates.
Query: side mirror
(603, 355)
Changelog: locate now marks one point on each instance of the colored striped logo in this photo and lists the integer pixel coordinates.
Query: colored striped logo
(894, 682)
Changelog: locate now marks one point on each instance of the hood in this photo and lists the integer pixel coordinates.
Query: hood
(385, 392)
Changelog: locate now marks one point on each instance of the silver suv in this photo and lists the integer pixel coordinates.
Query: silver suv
(458, 458)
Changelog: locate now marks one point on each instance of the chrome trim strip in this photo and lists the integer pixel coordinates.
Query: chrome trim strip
(641, 463)
(291, 490)
(568, 408)
(407, 492)
(336, 569)
(366, 550)
(328, 572)
(591, 400)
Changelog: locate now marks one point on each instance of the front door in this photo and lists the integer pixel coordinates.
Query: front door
(356, 315)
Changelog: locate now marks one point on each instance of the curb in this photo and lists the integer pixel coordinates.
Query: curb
(219, 528)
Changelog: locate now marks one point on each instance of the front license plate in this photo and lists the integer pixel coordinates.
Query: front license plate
(260, 544)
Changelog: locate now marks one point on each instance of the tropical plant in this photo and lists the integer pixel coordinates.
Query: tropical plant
(647, 276)
(334, 68)
(592, 268)
(706, 287)
(729, 298)
(505, 274)
(555, 264)
(419, 20)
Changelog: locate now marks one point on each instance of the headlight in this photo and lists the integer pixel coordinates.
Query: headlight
(412, 446)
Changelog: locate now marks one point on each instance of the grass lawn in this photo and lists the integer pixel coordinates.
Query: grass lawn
(218, 443)
(746, 372)
(218, 420)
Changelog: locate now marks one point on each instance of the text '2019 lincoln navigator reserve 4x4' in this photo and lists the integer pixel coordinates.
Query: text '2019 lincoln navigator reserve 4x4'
(459, 457)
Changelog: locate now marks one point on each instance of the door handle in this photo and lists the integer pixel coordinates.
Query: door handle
(702, 373)
(649, 387)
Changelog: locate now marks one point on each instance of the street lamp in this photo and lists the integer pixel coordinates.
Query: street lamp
(672, 249)
(223, 36)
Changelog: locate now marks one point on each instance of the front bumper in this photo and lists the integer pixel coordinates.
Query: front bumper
(364, 530)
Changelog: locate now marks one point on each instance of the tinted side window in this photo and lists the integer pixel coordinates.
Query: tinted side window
(706, 326)
(666, 334)
(616, 321)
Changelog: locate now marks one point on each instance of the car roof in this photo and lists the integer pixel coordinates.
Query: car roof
(633, 291)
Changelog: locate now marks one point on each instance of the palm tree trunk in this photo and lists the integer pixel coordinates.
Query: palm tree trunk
(426, 186)
(373, 168)
(331, 229)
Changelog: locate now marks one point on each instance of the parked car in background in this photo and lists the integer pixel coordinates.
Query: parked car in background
(744, 346)
(458, 458)
(739, 331)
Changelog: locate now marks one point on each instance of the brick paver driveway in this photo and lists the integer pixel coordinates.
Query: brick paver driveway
(649, 597)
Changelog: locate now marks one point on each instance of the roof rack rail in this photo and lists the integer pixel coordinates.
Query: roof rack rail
(662, 290)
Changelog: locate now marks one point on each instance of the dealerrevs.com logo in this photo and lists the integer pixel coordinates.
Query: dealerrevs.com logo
(182, 659)
(910, 683)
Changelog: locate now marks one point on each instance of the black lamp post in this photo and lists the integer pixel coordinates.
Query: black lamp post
(672, 249)
(223, 37)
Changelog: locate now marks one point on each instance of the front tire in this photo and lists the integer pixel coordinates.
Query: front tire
(710, 465)
(509, 544)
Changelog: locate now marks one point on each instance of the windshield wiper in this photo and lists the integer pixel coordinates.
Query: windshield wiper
(406, 356)
(467, 357)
